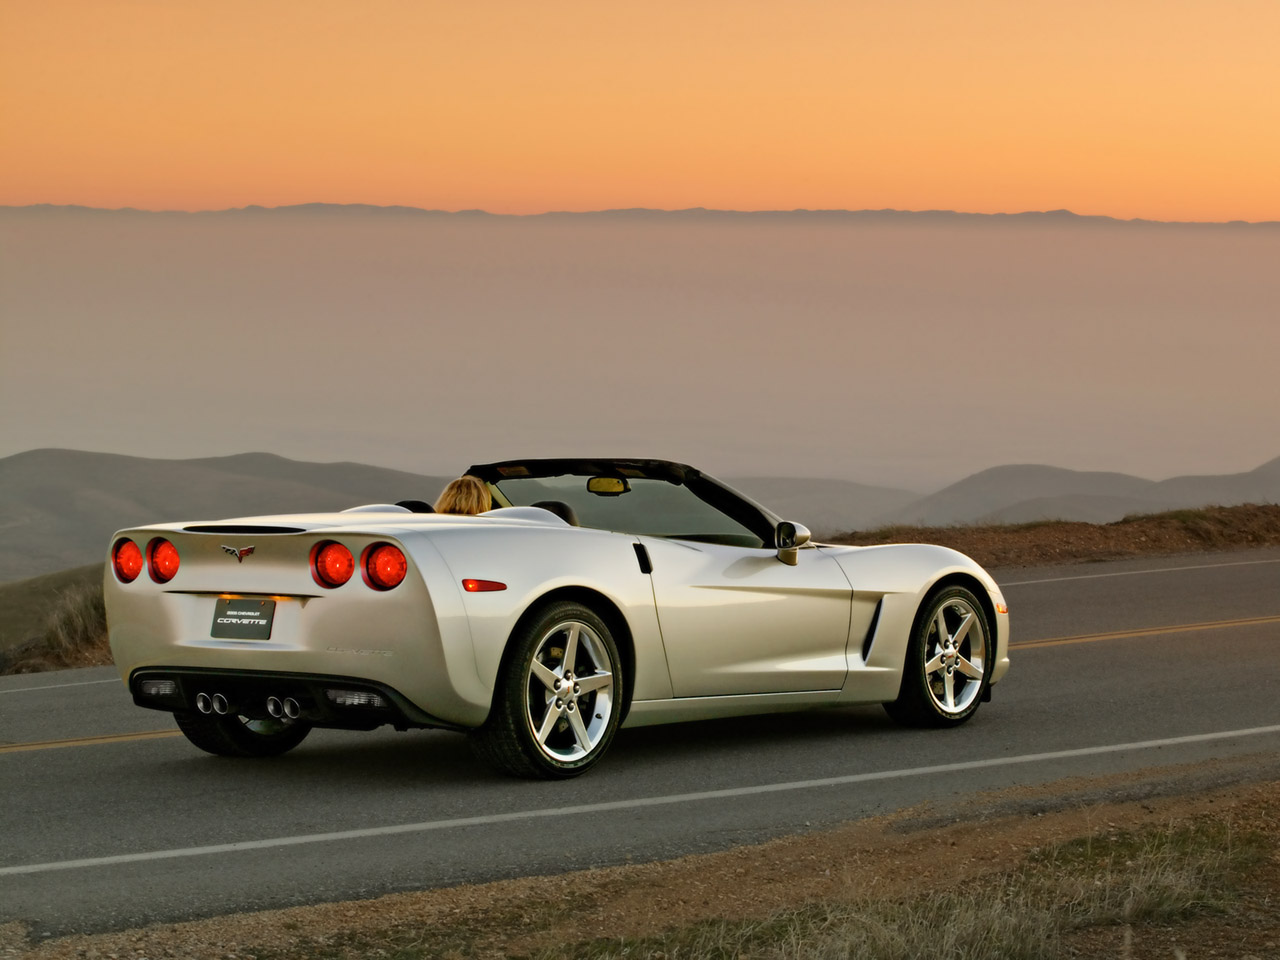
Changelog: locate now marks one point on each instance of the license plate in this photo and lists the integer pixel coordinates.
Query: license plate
(245, 619)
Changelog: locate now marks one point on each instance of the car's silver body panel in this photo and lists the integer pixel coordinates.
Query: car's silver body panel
(714, 631)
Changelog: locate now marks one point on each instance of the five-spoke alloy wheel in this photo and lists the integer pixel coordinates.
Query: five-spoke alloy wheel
(569, 703)
(948, 661)
(558, 702)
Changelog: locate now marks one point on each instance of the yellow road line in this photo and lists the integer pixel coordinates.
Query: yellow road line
(1146, 632)
(88, 741)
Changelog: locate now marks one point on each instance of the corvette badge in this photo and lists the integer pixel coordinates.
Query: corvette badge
(238, 554)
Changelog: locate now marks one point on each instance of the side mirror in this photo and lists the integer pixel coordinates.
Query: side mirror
(790, 537)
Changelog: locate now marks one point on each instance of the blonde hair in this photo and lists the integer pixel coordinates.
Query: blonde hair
(467, 495)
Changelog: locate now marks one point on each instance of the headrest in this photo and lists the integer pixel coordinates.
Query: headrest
(416, 506)
(560, 509)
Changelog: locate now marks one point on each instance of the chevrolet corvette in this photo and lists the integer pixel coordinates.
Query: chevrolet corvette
(596, 593)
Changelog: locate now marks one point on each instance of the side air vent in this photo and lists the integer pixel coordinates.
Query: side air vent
(239, 528)
(871, 631)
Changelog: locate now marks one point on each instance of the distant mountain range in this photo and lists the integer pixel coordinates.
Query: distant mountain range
(1057, 217)
(58, 508)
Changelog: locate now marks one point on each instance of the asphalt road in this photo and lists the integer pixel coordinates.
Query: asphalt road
(1118, 673)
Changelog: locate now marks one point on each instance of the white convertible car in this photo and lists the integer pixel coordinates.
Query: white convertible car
(596, 593)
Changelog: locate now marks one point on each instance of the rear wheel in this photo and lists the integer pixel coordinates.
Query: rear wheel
(557, 705)
(234, 736)
(948, 663)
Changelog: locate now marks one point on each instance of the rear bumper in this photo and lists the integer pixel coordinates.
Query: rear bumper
(409, 639)
(324, 700)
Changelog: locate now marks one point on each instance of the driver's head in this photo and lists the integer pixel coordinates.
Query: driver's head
(467, 495)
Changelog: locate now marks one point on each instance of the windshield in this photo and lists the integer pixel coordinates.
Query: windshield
(653, 508)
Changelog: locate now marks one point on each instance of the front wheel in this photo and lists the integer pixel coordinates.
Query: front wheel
(948, 663)
(558, 701)
(233, 736)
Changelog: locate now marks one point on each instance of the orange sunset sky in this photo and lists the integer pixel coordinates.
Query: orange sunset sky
(1165, 109)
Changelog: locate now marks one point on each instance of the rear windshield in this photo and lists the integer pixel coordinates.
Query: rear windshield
(653, 508)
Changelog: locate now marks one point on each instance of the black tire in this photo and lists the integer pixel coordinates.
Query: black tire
(924, 694)
(233, 736)
(526, 705)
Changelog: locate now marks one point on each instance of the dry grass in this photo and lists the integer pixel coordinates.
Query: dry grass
(1162, 875)
(950, 926)
(25, 604)
(74, 635)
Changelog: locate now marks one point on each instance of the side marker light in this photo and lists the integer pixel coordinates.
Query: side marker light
(482, 586)
(1002, 608)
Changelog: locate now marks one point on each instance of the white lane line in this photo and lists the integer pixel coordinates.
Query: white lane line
(1136, 573)
(57, 686)
(634, 804)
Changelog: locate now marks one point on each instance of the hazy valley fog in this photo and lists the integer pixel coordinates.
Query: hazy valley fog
(907, 350)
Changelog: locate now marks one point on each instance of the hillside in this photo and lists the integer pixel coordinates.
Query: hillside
(1000, 488)
(1025, 493)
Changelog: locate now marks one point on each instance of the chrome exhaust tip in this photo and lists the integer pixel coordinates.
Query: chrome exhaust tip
(274, 706)
(219, 704)
(291, 708)
(203, 703)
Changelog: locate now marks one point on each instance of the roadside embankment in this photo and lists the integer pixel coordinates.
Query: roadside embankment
(1057, 541)
(61, 622)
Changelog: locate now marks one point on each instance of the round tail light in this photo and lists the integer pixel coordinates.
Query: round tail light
(332, 564)
(384, 566)
(162, 558)
(126, 557)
